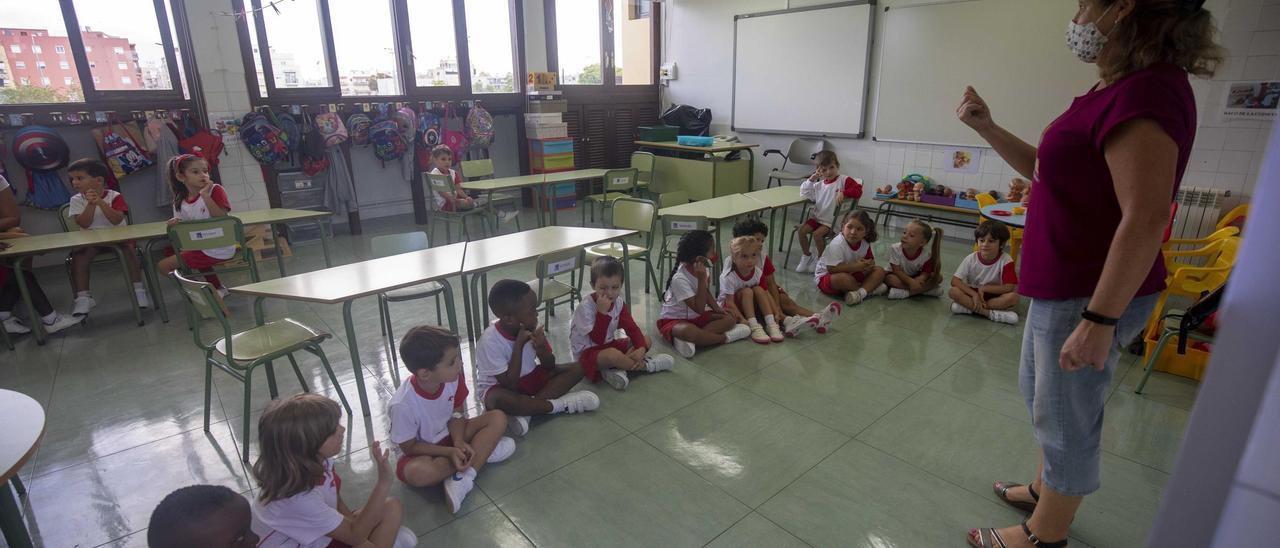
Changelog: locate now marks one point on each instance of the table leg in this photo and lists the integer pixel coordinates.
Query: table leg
(324, 240)
(133, 297)
(626, 276)
(484, 299)
(448, 305)
(538, 192)
(275, 242)
(751, 169)
(355, 356)
(15, 530)
(150, 266)
(37, 323)
(466, 309)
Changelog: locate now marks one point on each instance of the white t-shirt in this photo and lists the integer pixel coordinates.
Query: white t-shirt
(4, 183)
(731, 282)
(913, 266)
(977, 273)
(684, 285)
(440, 199)
(194, 209)
(416, 414)
(114, 200)
(493, 353)
(839, 251)
(825, 193)
(303, 520)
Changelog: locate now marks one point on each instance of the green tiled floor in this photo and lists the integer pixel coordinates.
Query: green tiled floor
(886, 431)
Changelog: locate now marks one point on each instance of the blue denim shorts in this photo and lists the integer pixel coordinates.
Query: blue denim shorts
(1066, 407)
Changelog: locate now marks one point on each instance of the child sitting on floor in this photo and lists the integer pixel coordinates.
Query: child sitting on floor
(690, 316)
(595, 322)
(828, 189)
(516, 370)
(790, 309)
(743, 296)
(986, 283)
(915, 269)
(848, 266)
(96, 207)
(428, 419)
(202, 516)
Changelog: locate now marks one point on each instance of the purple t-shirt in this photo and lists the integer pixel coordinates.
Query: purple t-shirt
(1074, 212)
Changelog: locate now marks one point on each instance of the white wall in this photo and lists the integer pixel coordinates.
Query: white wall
(699, 38)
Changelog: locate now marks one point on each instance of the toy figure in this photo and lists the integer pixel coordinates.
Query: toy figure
(1017, 189)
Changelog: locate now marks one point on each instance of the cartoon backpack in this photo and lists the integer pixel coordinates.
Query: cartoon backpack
(428, 130)
(387, 143)
(42, 151)
(120, 149)
(479, 126)
(331, 129)
(358, 125)
(266, 143)
(314, 159)
(406, 121)
(293, 134)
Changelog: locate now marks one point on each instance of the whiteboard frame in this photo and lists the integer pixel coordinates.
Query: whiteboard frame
(866, 77)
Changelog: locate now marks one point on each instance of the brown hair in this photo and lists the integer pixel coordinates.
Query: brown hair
(744, 243)
(90, 167)
(605, 266)
(1180, 32)
(864, 220)
(932, 236)
(424, 346)
(995, 229)
(441, 150)
(179, 164)
(290, 434)
(826, 158)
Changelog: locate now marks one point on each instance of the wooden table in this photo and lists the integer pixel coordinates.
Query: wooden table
(498, 251)
(779, 197)
(886, 208)
(344, 284)
(705, 178)
(537, 181)
(40, 244)
(1014, 221)
(719, 211)
(19, 438)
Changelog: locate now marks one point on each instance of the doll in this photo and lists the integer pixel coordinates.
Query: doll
(1017, 189)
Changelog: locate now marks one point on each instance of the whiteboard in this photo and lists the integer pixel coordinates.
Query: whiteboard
(802, 71)
(1013, 52)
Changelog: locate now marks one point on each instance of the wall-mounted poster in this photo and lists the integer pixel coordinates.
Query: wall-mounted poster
(1251, 101)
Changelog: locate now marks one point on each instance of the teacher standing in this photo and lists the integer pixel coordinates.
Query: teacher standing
(1104, 175)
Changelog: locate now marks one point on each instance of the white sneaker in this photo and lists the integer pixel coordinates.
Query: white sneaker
(775, 333)
(683, 347)
(881, 290)
(456, 488)
(406, 538)
(659, 362)
(61, 322)
(935, 292)
(806, 264)
(616, 378)
(821, 320)
(224, 292)
(580, 401)
(83, 305)
(791, 325)
(15, 326)
(957, 308)
(852, 298)
(895, 294)
(517, 426)
(508, 216)
(738, 333)
(143, 301)
(1003, 316)
(502, 451)
(758, 334)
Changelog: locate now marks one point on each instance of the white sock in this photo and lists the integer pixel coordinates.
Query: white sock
(49, 318)
(861, 292)
(138, 286)
(557, 406)
(83, 294)
(768, 319)
(5, 315)
(753, 322)
(470, 473)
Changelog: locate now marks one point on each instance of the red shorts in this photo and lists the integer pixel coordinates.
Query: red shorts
(335, 543)
(824, 283)
(404, 460)
(665, 325)
(814, 224)
(590, 368)
(532, 383)
(198, 260)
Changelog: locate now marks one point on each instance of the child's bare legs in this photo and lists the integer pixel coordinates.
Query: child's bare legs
(761, 297)
(81, 259)
(747, 296)
(802, 234)
(845, 282)
(131, 262)
(820, 238)
(384, 533)
(731, 308)
(562, 379)
(168, 264)
(711, 334)
(1003, 302)
(893, 280)
(612, 358)
(873, 279)
(790, 308)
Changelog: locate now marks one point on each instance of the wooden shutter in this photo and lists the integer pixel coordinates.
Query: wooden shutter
(593, 149)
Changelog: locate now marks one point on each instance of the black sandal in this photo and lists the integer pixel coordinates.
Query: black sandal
(1002, 488)
(998, 542)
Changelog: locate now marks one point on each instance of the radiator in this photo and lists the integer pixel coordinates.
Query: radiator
(1198, 211)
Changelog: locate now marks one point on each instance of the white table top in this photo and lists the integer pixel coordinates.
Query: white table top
(718, 208)
(1013, 220)
(503, 250)
(360, 279)
(778, 196)
(521, 181)
(20, 432)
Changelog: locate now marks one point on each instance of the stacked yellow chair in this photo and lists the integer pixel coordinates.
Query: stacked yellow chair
(1015, 234)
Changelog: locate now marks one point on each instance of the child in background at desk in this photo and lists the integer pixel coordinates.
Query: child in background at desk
(196, 197)
(596, 320)
(790, 309)
(10, 218)
(299, 502)
(744, 297)
(516, 370)
(459, 200)
(97, 207)
(914, 268)
(985, 283)
(690, 316)
(828, 189)
(202, 516)
(848, 266)
(428, 419)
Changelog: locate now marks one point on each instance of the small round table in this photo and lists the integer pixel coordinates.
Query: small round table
(19, 436)
(1008, 218)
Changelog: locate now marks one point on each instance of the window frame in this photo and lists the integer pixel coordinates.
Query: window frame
(608, 88)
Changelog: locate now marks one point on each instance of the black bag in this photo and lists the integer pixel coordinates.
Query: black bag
(1197, 314)
(690, 120)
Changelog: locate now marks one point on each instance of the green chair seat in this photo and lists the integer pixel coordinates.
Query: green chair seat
(614, 249)
(606, 197)
(552, 289)
(414, 292)
(273, 338)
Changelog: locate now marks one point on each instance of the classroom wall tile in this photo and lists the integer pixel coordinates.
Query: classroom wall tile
(1243, 139)
(1261, 67)
(1204, 160)
(1240, 20)
(1236, 161)
(1210, 138)
(1269, 18)
(1265, 43)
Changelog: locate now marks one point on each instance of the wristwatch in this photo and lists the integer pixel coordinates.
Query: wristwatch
(1099, 318)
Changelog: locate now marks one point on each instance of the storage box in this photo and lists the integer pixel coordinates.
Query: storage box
(562, 196)
(556, 131)
(551, 162)
(968, 204)
(541, 81)
(657, 133)
(694, 141)
(1190, 365)
(888, 196)
(543, 118)
(548, 105)
(938, 200)
(550, 146)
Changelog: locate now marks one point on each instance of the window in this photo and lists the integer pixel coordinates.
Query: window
(44, 81)
(578, 41)
(261, 77)
(126, 80)
(35, 48)
(93, 66)
(96, 80)
(59, 49)
(66, 80)
(20, 64)
(117, 50)
(489, 46)
(435, 52)
(15, 48)
(632, 43)
(88, 49)
(40, 65)
(364, 44)
(640, 8)
(122, 65)
(140, 33)
(64, 65)
(25, 81)
(296, 44)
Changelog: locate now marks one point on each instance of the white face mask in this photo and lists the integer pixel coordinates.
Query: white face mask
(1086, 41)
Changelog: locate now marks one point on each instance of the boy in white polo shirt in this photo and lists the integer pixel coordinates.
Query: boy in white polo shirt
(96, 207)
(986, 282)
(428, 418)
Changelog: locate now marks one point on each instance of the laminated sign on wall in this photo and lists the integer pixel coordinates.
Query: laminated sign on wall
(1251, 101)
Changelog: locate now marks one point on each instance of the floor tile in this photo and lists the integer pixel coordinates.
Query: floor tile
(742, 443)
(634, 495)
(932, 316)
(650, 397)
(986, 380)
(899, 352)
(733, 361)
(1162, 387)
(756, 531)
(1122, 511)
(424, 507)
(1143, 430)
(552, 443)
(483, 528)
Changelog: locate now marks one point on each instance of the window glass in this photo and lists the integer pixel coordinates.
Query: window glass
(296, 45)
(30, 23)
(489, 46)
(136, 50)
(435, 49)
(578, 41)
(632, 42)
(364, 42)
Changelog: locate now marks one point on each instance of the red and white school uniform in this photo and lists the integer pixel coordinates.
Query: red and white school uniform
(684, 285)
(303, 520)
(837, 252)
(912, 265)
(592, 331)
(114, 200)
(424, 416)
(731, 282)
(824, 195)
(445, 203)
(194, 209)
(493, 353)
(976, 272)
